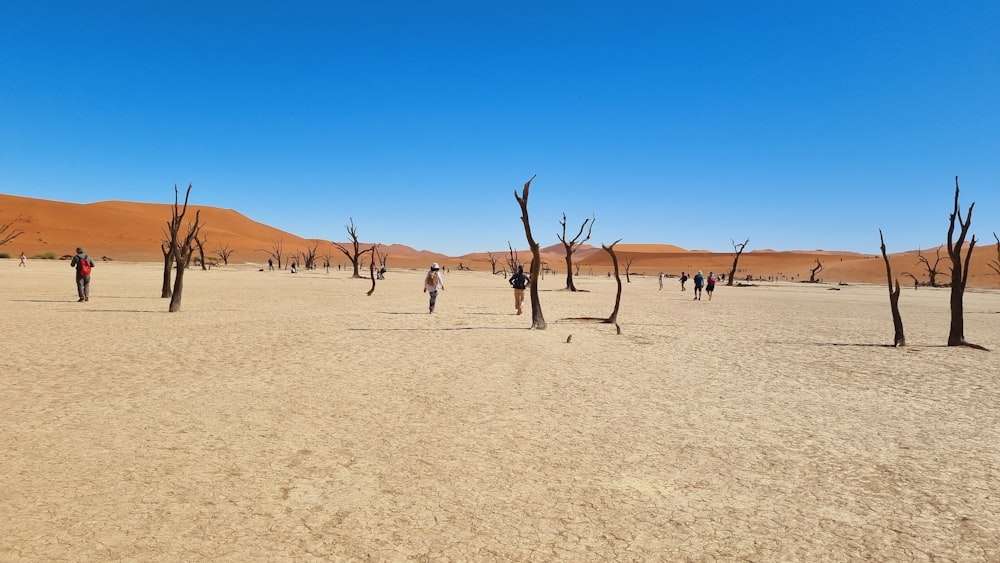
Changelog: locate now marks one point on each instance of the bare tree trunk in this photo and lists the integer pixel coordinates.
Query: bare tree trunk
(200, 243)
(537, 319)
(618, 297)
(959, 272)
(168, 265)
(814, 271)
(738, 249)
(374, 251)
(897, 320)
(628, 268)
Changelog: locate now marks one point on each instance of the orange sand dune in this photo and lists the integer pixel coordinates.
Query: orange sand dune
(133, 232)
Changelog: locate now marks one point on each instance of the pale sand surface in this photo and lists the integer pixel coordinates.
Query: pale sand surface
(289, 417)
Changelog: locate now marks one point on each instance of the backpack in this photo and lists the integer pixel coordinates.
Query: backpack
(432, 278)
(84, 266)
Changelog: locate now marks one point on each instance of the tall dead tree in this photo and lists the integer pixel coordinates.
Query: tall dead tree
(181, 244)
(613, 319)
(537, 319)
(814, 271)
(571, 246)
(959, 270)
(995, 265)
(168, 265)
(224, 252)
(8, 232)
(493, 262)
(355, 254)
(932, 271)
(897, 320)
(738, 249)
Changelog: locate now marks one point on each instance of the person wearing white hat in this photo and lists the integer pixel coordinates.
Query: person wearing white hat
(433, 283)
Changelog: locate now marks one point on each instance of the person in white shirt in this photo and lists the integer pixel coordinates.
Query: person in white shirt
(433, 283)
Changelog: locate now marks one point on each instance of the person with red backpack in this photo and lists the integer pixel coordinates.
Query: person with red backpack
(83, 264)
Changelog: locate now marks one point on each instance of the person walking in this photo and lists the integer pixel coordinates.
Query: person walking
(519, 281)
(684, 279)
(433, 284)
(710, 285)
(83, 264)
(661, 281)
(24, 260)
(699, 281)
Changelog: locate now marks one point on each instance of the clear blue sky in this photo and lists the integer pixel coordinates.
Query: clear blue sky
(798, 124)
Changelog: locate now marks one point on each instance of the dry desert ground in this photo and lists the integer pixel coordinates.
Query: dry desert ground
(283, 417)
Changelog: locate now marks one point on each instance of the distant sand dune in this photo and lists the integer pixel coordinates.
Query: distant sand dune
(133, 231)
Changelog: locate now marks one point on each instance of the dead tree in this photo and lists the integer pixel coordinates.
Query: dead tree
(814, 271)
(628, 268)
(513, 260)
(309, 257)
(897, 320)
(168, 266)
(916, 282)
(276, 251)
(959, 271)
(200, 242)
(8, 233)
(995, 265)
(537, 319)
(570, 246)
(224, 252)
(327, 258)
(932, 271)
(738, 249)
(182, 245)
(355, 254)
(613, 319)
(493, 262)
(371, 268)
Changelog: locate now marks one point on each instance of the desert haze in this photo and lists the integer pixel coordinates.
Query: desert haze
(133, 231)
(290, 417)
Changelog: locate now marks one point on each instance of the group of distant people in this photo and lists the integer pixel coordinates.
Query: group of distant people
(700, 283)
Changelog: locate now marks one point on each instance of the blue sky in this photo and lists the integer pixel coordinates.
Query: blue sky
(798, 124)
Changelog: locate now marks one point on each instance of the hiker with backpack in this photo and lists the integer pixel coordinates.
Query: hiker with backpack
(433, 284)
(83, 264)
(519, 281)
